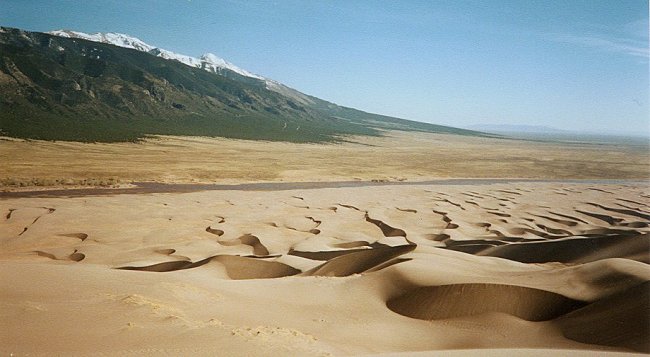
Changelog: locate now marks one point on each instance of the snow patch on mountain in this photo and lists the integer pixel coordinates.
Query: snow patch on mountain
(116, 39)
(210, 62)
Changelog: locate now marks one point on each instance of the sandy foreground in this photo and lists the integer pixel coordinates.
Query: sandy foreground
(513, 268)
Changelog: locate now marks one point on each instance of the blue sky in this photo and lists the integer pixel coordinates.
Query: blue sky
(577, 65)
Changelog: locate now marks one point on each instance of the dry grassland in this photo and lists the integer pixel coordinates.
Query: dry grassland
(396, 156)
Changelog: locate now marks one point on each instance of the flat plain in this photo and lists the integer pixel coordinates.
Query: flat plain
(396, 156)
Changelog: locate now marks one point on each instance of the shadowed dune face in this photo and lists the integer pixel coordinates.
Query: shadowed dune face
(249, 240)
(626, 313)
(360, 261)
(387, 230)
(578, 249)
(573, 229)
(161, 267)
(449, 301)
(237, 268)
(346, 262)
(81, 236)
(76, 256)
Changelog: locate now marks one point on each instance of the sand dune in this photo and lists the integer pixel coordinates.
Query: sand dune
(359, 261)
(236, 267)
(446, 301)
(627, 316)
(572, 249)
(340, 271)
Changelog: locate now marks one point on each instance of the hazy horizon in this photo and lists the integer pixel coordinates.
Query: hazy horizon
(548, 130)
(581, 66)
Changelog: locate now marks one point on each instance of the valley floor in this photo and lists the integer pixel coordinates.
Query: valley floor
(514, 267)
(398, 156)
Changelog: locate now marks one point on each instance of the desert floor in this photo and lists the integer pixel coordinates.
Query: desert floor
(517, 268)
(398, 156)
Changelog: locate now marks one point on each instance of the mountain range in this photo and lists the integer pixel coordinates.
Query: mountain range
(105, 87)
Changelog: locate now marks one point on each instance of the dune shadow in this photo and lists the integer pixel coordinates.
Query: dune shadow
(237, 267)
(620, 320)
(457, 300)
(359, 261)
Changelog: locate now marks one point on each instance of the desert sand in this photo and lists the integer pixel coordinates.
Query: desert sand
(519, 268)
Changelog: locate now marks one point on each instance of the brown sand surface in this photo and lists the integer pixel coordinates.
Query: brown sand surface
(515, 268)
(396, 156)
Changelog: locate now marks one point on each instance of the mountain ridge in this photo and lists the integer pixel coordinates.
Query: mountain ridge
(63, 88)
(207, 61)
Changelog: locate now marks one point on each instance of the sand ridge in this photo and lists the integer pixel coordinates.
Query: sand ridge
(409, 268)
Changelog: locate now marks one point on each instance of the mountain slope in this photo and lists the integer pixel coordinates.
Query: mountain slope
(215, 64)
(63, 88)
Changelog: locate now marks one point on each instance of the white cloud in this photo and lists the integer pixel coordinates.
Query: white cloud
(626, 46)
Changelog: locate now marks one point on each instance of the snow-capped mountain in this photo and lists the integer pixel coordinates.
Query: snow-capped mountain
(111, 87)
(210, 62)
(116, 39)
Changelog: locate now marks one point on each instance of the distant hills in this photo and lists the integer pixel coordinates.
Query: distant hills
(112, 87)
(550, 134)
(510, 128)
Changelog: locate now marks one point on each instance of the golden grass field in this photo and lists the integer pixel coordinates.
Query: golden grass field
(396, 156)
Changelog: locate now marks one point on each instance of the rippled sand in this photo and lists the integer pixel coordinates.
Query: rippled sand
(341, 271)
